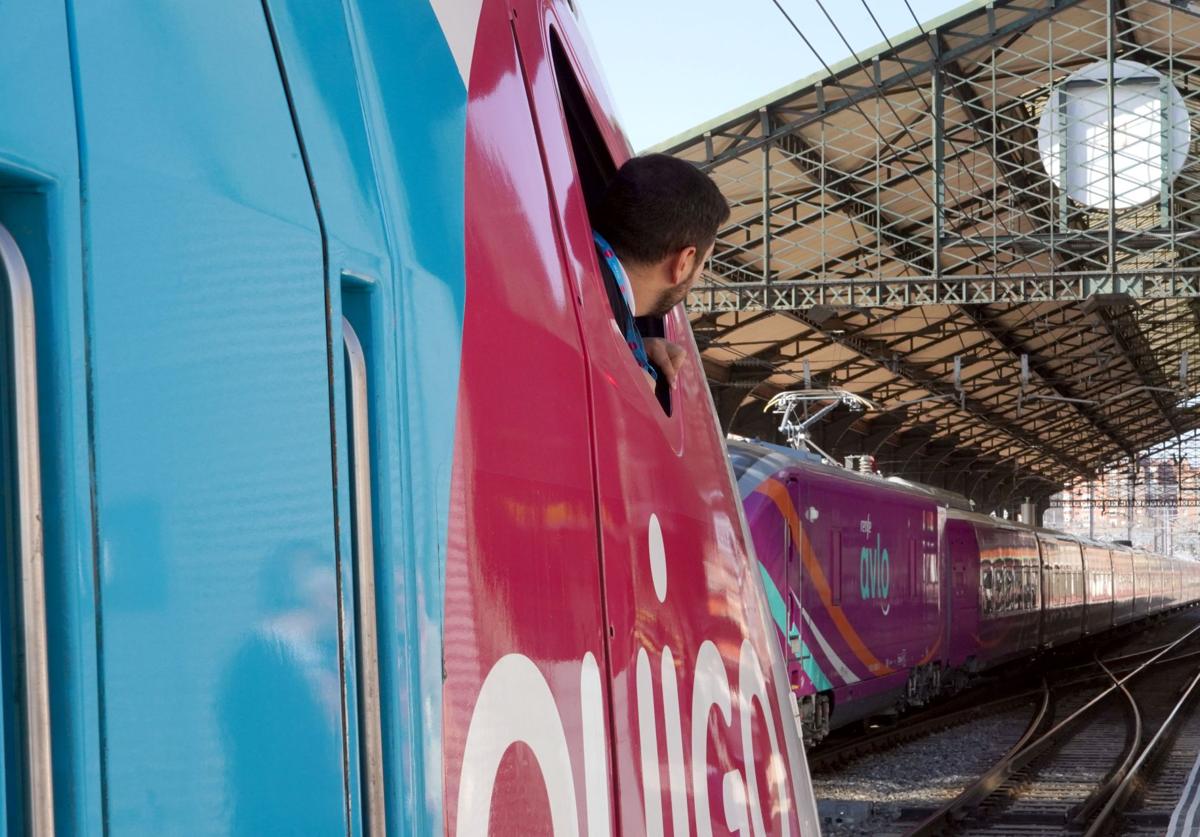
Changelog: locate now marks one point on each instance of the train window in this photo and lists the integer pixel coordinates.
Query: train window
(986, 584)
(593, 163)
(595, 168)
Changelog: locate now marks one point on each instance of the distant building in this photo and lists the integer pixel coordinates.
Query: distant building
(1155, 504)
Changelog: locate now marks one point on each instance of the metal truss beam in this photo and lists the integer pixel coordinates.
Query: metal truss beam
(987, 123)
(849, 191)
(1023, 243)
(1128, 336)
(1014, 289)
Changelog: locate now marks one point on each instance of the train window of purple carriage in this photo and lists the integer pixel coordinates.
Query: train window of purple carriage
(986, 587)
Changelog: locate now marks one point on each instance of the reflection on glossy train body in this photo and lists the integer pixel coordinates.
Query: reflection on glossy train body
(569, 635)
(885, 593)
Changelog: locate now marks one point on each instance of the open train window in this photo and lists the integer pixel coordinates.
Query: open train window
(593, 163)
(595, 168)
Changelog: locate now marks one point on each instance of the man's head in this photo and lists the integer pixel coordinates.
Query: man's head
(661, 215)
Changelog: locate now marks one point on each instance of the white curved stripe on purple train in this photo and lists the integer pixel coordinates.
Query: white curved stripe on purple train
(840, 667)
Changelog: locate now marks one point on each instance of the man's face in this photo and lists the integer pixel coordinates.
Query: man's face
(675, 293)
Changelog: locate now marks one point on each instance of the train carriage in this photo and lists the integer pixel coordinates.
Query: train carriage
(866, 626)
(1123, 585)
(1010, 590)
(1005, 590)
(966, 599)
(1143, 580)
(1062, 573)
(1155, 583)
(1098, 588)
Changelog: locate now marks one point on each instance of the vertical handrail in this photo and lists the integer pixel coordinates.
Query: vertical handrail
(370, 725)
(29, 519)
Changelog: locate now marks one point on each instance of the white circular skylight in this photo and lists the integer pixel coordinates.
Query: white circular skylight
(1129, 154)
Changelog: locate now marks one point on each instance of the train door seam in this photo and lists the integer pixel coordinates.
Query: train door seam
(330, 378)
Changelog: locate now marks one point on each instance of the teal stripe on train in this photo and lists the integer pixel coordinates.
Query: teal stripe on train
(779, 613)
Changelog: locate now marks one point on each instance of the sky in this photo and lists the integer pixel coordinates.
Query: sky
(674, 64)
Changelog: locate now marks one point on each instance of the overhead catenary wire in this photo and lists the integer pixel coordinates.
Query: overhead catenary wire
(905, 130)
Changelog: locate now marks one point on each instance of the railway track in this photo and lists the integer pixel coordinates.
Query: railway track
(1114, 729)
(1015, 689)
(1086, 754)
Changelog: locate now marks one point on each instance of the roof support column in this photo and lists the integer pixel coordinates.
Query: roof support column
(938, 116)
(766, 197)
(1111, 48)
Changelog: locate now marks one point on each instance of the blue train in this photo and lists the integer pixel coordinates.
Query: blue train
(324, 475)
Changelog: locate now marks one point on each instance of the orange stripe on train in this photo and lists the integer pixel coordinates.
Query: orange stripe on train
(778, 494)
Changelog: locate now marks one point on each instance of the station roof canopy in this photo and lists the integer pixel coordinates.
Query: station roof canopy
(939, 225)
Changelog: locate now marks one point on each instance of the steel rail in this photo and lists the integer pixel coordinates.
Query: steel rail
(1097, 798)
(1023, 753)
(985, 785)
(364, 578)
(1119, 659)
(1121, 793)
(30, 539)
(933, 719)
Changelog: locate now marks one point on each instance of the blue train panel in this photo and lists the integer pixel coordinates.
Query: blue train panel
(222, 678)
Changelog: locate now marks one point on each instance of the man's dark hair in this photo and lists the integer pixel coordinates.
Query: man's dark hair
(658, 205)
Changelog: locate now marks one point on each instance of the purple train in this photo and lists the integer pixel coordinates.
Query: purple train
(886, 592)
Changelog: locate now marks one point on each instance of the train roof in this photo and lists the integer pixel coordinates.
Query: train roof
(754, 461)
(1000, 523)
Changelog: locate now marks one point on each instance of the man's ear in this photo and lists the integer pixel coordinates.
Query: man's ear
(683, 265)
